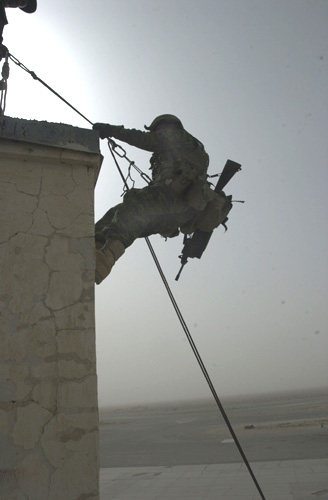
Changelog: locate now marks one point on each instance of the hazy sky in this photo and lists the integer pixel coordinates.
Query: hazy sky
(249, 79)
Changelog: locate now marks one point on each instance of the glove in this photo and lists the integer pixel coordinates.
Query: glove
(104, 129)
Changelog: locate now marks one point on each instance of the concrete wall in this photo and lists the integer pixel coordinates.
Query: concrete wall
(48, 383)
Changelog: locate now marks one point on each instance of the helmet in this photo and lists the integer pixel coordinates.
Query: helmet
(164, 119)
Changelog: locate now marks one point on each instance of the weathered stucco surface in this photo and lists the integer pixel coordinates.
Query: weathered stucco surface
(48, 383)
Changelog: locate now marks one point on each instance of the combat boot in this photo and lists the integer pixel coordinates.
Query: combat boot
(106, 256)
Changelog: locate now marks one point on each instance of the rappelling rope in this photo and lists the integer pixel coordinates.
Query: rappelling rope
(35, 77)
(203, 368)
(114, 148)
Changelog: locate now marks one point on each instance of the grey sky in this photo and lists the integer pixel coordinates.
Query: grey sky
(249, 79)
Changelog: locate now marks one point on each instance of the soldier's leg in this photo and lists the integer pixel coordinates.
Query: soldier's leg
(103, 223)
(108, 250)
(146, 211)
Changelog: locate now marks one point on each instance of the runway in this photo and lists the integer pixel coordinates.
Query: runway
(279, 427)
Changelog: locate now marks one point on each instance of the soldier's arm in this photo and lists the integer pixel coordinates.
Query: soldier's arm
(148, 141)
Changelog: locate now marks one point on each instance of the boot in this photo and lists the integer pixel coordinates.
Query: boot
(106, 256)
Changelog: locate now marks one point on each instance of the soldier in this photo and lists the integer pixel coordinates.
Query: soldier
(179, 197)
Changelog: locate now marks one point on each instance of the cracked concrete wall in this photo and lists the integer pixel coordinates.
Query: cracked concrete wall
(48, 382)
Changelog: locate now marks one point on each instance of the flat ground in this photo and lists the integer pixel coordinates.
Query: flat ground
(289, 426)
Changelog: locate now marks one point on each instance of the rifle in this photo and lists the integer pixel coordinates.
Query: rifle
(194, 246)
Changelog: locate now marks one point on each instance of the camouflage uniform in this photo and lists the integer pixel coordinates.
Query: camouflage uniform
(175, 199)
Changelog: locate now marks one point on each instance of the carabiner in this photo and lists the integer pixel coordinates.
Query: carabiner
(117, 146)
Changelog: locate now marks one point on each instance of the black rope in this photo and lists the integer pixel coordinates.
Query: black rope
(33, 75)
(112, 145)
(203, 368)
